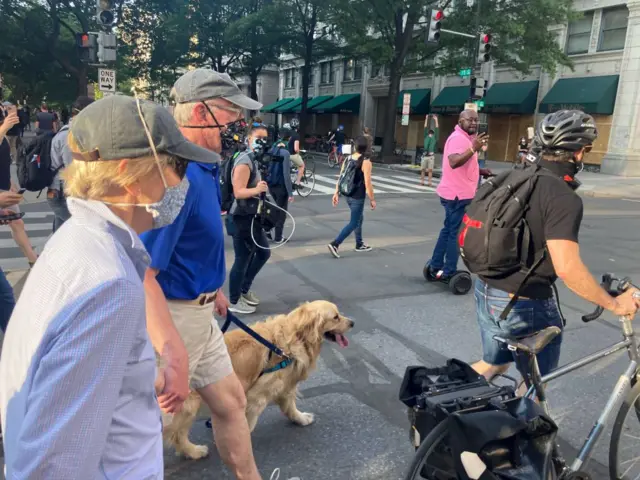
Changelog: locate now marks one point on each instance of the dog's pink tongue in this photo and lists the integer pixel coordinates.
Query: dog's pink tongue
(342, 340)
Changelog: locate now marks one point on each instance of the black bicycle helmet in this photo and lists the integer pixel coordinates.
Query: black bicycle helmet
(569, 130)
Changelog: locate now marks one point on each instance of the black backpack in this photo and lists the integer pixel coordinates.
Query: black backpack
(226, 185)
(34, 163)
(346, 182)
(494, 238)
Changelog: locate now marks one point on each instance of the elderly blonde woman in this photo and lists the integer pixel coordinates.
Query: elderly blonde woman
(77, 372)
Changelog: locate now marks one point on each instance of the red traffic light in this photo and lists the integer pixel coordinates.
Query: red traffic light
(486, 38)
(438, 15)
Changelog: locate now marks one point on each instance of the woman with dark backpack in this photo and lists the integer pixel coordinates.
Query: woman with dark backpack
(355, 184)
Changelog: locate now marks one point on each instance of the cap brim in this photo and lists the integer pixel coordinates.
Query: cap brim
(244, 102)
(194, 153)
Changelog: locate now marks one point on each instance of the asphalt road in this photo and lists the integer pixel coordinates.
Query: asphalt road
(361, 429)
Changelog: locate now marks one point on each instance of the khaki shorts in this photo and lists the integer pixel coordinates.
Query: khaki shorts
(296, 159)
(427, 162)
(209, 360)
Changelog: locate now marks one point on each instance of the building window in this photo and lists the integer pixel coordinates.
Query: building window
(326, 73)
(613, 30)
(352, 70)
(311, 76)
(290, 78)
(579, 34)
(380, 71)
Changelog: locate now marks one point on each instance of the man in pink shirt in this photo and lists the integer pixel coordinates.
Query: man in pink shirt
(460, 175)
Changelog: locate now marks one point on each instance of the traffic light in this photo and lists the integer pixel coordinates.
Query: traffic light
(435, 24)
(484, 50)
(87, 46)
(105, 15)
(478, 88)
(106, 47)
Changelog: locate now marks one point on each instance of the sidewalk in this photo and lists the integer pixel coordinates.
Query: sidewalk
(593, 184)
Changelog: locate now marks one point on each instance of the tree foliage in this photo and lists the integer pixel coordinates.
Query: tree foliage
(38, 56)
(393, 32)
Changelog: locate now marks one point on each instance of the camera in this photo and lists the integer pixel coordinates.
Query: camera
(262, 156)
(233, 137)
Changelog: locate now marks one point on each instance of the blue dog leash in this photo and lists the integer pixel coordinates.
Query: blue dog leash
(231, 318)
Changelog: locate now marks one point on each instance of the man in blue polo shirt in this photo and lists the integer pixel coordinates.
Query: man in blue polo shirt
(187, 271)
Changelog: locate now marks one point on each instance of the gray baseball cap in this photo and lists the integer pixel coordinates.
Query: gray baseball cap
(204, 84)
(111, 129)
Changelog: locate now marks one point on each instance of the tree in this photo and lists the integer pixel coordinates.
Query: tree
(393, 31)
(310, 37)
(260, 36)
(45, 31)
(155, 41)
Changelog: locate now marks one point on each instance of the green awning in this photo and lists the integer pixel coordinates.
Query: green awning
(287, 107)
(589, 94)
(516, 98)
(349, 103)
(270, 108)
(313, 102)
(420, 99)
(451, 100)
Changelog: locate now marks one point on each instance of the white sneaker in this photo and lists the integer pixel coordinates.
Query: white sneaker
(242, 307)
(251, 299)
(276, 475)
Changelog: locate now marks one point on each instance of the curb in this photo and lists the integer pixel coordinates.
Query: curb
(608, 194)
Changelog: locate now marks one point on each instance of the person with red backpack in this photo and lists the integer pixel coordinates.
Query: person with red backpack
(520, 234)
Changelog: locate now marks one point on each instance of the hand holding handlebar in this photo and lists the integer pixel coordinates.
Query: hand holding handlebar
(627, 303)
(627, 297)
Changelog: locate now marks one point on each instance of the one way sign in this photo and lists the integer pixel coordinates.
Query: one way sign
(107, 80)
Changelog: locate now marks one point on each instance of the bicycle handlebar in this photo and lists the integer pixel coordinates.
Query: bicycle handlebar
(614, 287)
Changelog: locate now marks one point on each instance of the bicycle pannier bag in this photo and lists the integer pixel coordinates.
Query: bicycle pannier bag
(514, 442)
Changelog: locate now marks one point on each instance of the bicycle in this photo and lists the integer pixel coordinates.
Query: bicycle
(334, 157)
(308, 180)
(625, 395)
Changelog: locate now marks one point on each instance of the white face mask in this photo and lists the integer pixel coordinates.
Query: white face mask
(166, 210)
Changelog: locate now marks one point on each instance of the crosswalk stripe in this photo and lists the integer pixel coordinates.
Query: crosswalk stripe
(28, 215)
(413, 179)
(36, 241)
(378, 184)
(30, 227)
(382, 185)
(415, 188)
(321, 189)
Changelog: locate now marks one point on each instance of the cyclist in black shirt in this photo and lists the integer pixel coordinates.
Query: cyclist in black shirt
(554, 217)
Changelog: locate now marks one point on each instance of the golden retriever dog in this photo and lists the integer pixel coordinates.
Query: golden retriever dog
(299, 335)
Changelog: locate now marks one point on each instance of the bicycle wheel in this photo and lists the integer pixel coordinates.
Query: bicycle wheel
(307, 182)
(433, 460)
(625, 439)
(332, 159)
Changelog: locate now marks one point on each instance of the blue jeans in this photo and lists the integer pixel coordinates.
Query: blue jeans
(356, 205)
(527, 317)
(60, 211)
(249, 259)
(7, 301)
(445, 254)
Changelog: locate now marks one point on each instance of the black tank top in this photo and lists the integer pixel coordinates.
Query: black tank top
(358, 181)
